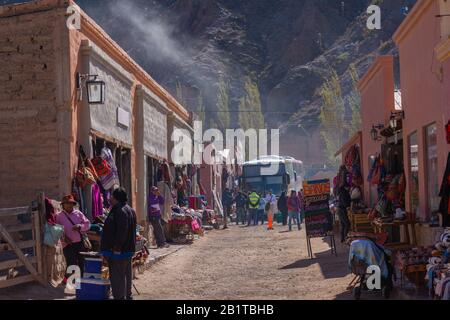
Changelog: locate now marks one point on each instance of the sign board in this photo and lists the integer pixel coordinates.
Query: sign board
(318, 217)
(123, 117)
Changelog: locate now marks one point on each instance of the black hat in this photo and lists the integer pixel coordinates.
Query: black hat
(120, 195)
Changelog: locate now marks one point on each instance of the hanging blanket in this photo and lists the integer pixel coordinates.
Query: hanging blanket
(112, 178)
(370, 253)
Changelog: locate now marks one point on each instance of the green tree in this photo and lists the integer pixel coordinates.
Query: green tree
(336, 127)
(354, 102)
(332, 116)
(223, 110)
(250, 112)
(200, 110)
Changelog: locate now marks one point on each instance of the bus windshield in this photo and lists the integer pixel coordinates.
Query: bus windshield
(255, 183)
(275, 184)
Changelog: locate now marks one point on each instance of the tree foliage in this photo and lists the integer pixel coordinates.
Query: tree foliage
(223, 109)
(250, 112)
(336, 126)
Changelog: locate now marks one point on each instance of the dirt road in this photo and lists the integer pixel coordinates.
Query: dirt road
(249, 263)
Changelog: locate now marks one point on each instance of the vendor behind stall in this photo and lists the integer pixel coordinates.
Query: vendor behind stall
(155, 201)
(75, 224)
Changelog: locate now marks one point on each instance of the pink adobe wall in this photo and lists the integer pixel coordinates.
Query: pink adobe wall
(377, 101)
(424, 95)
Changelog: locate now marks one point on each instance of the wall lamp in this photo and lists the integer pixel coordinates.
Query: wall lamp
(374, 132)
(395, 117)
(95, 88)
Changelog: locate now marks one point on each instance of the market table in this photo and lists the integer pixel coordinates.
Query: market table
(411, 238)
(359, 221)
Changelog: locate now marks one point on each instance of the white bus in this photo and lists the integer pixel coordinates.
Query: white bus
(289, 176)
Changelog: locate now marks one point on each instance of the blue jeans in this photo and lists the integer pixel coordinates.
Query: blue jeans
(294, 215)
(252, 215)
(261, 216)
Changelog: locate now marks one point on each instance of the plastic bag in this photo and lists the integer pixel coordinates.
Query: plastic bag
(52, 234)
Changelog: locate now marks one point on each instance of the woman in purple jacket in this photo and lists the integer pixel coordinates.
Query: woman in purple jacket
(155, 201)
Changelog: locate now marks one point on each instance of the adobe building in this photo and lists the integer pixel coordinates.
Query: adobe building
(423, 43)
(379, 100)
(45, 115)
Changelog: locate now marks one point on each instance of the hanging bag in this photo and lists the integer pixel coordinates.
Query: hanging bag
(85, 177)
(52, 234)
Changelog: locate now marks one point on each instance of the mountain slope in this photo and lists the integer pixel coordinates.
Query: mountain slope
(286, 47)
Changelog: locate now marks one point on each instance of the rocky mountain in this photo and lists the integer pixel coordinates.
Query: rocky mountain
(285, 48)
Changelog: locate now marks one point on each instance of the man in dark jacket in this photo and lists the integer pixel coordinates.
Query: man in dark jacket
(241, 207)
(118, 244)
(344, 202)
(227, 202)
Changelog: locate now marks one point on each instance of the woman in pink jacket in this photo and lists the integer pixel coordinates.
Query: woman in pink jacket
(294, 206)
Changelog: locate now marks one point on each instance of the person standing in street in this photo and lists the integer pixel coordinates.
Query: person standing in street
(155, 201)
(241, 207)
(118, 244)
(227, 202)
(344, 202)
(253, 205)
(261, 210)
(293, 204)
(75, 224)
(283, 207)
(271, 202)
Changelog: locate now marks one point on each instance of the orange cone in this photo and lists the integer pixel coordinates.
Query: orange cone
(270, 221)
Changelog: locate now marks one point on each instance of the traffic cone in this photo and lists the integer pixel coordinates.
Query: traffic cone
(270, 221)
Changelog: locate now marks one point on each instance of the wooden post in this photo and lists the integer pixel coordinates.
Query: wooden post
(38, 219)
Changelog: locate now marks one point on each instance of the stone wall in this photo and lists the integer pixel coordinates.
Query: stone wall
(30, 101)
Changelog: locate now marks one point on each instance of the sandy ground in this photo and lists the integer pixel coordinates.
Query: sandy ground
(236, 264)
(249, 263)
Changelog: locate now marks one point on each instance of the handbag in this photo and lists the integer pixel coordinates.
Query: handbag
(84, 237)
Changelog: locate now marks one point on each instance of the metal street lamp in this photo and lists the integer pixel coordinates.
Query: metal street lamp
(95, 88)
(395, 117)
(374, 132)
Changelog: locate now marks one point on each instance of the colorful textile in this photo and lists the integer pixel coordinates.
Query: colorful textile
(166, 212)
(97, 207)
(50, 214)
(111, 179)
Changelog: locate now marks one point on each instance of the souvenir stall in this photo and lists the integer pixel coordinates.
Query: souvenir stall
(350, 175)
(388, 177)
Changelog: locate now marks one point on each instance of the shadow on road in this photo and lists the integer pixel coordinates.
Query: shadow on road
(332, 267)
